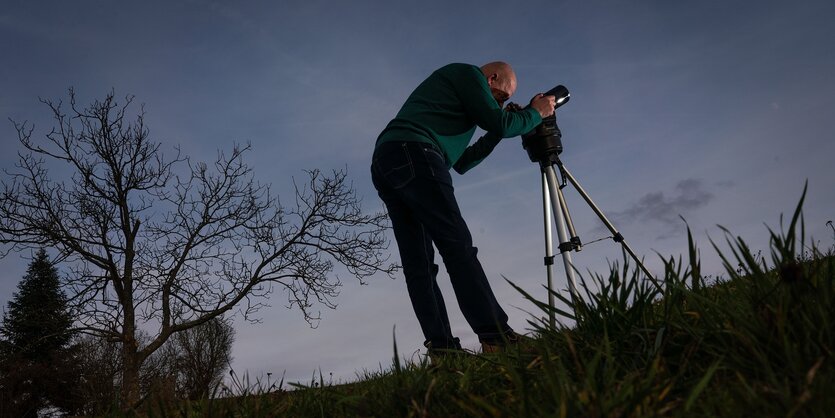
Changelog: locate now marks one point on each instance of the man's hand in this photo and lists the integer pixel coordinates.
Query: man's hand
(512, 107)
(544, 104)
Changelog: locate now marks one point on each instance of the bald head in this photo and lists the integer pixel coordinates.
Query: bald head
(501, 79)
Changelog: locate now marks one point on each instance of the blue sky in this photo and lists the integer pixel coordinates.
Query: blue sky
(717, 111)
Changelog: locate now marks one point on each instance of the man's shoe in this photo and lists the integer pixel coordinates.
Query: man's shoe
(437, 355)
(511, 341)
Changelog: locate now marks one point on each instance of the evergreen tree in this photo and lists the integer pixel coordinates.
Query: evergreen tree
(37, 321)
(36, 332)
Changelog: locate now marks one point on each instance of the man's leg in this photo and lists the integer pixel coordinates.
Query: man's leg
(391, 171)
(429, 196)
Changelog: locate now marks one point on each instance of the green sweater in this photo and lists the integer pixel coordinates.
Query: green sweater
(446, 108)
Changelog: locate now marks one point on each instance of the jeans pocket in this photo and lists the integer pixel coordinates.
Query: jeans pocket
(436, 165)
(432, 153)
(396, 167)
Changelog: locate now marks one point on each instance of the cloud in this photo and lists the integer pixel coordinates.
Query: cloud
(665, 209)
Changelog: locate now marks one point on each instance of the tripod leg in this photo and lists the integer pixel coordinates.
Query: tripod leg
(575, 240)
(549, 251)
(617, 235)
(553, 190)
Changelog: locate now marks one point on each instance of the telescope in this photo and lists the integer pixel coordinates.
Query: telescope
(545, 139)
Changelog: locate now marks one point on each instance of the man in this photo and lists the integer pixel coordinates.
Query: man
(410, 170)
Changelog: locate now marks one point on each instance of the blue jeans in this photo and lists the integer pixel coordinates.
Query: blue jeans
(413, 181)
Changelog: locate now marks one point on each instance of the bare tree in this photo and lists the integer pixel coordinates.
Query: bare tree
(100, 363)
(169, 243)
(203, 355)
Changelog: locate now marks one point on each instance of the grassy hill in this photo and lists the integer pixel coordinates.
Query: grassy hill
(758, 342)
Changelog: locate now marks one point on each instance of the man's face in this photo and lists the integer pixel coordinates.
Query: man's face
(500, 96)
(501, 88)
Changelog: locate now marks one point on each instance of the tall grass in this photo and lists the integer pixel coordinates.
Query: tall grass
(758, 342)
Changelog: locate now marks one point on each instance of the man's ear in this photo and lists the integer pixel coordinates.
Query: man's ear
(492, 79)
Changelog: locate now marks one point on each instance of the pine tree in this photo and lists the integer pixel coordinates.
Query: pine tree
(36, 334)
(37, 321)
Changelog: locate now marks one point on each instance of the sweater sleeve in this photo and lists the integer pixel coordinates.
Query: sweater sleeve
(477, 152)
(483, 109)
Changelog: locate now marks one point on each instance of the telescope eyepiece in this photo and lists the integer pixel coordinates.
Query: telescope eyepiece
(561, 94)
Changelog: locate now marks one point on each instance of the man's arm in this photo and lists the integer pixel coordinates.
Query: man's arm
(486, 113)
(477, 152)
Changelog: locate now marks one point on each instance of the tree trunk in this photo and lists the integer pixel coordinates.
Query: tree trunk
(130, 375)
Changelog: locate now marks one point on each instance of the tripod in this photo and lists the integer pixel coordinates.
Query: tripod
(569, 241)
(544, 145)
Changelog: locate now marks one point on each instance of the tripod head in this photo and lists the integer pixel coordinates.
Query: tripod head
(544, 143)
